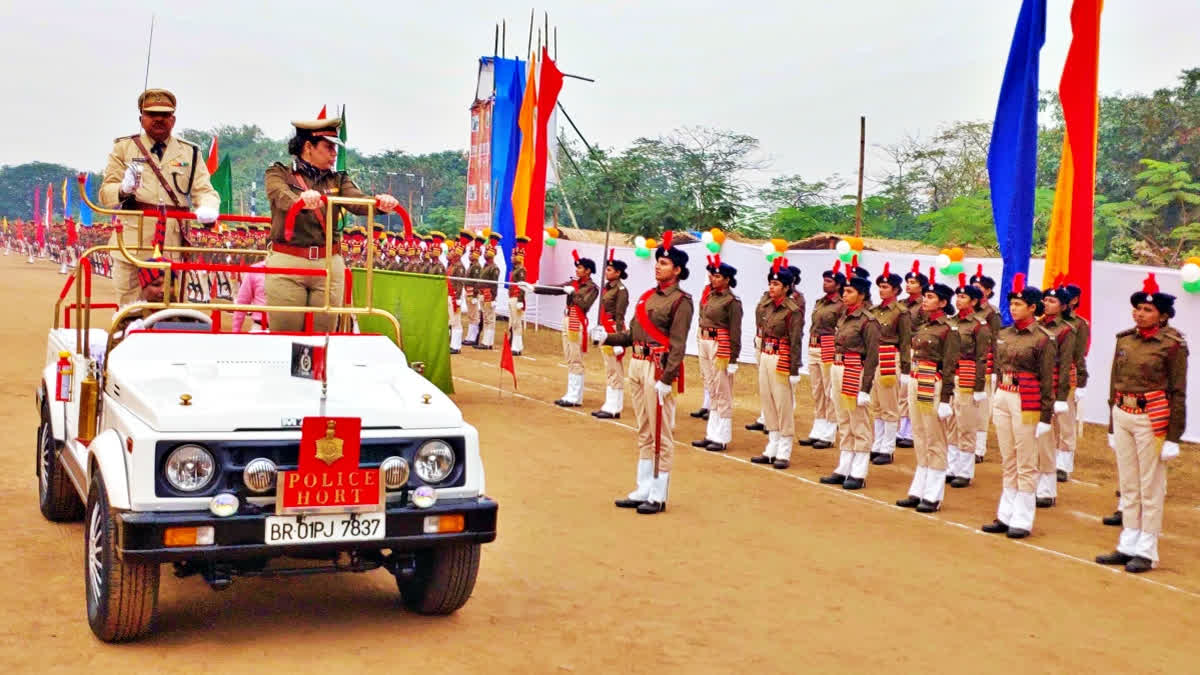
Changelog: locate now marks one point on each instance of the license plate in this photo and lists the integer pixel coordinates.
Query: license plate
(319, 529)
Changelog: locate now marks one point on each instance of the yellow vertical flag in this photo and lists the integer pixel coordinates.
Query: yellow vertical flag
(66, 199)
(1058, 240)
(523, 179)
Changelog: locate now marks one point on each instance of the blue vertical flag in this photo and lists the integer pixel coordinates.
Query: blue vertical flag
(85, 214)
(506, 148)
(1012, 157)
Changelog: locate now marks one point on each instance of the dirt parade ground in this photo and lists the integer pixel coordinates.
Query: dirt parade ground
(750, 570)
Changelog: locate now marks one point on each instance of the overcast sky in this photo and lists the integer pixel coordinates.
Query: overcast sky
(795, 74)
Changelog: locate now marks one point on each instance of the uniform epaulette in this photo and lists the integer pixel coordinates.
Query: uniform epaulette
(1175, 335)
(1127, 333)
(791, 305)
(118, 139)
(981, 318)
(187, 143)
(1046, 331)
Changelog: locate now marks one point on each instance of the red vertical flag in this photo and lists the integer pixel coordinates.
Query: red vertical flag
(506, 357)
(212, 162)
(1080, 103)
(550, 84)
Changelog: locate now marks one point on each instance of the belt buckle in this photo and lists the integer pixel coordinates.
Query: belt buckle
(1128, 401)
(313, 253)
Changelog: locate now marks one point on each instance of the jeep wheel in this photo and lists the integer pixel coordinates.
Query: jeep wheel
(56, 495)
(122, 596)
(444, 580)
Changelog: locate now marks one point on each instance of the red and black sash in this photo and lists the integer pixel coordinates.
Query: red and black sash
(664, 342)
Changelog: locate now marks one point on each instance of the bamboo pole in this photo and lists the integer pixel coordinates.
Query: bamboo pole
(862, 151)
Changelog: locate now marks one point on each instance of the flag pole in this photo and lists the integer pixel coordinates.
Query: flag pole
(862, 150)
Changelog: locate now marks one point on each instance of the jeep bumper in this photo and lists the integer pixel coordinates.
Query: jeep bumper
(241, 536)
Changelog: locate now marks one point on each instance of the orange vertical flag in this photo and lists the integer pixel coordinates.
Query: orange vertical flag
(212, 162)
(526, 120)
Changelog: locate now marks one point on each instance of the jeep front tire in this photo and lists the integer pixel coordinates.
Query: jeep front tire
(444, 579)
(122, 596)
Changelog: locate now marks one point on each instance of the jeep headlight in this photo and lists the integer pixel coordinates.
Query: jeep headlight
(190, 468)
(434, 461)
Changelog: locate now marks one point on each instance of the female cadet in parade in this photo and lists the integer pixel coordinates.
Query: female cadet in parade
(581, 293)
(987, 286)
(970, 391)
(1147, 404)
(779, 361)
(1024, 404)
(894, 322)
(1064, 460)
(914, 286)
(935, 350)
(314, 151)
(516, 296)
(719, 343)
(827, 310)
(1055, 301)
(657, 338)
(856, 345)
(614, 301)
(456, 287)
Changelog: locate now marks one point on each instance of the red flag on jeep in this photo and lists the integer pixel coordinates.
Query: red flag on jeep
(506, 357)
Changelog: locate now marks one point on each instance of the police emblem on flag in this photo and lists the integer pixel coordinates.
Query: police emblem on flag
(308, 361)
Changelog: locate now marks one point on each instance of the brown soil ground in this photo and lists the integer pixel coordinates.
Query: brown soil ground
(751, 569)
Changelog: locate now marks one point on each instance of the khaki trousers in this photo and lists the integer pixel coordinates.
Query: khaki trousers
(472, 314)
(903, 406)
(968, 418)
(929, 430)
(1063, 428)
(818, 381)
(614, 369)
(775, 392)
(645, 404)
(489, 315)
(516, 318)
(124, 274)
(1141, 472)
(885, 399)
(717, 382)
(1018, 446)
(855, 431)
(573, 353)
(302, 291)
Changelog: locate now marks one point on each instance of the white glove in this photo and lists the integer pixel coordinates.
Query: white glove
(1112, 441)
(664, 390)
(731, 369)
(1042, 430)
(1060, 407)
(569, 289)
(1170, 450)
(520, 305)
(387, 202)
(793, 380)
(206, 215)
(944, 411)
(599, 334)
(979, 396)
(904, 380)
(131, 181)
(618, 350)
(495, 304)
(1080, 394)
(863, 398)
(311, 198)
(462, 304)
(525, 286)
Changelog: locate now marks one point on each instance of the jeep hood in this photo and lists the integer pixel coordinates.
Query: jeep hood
(244, 381)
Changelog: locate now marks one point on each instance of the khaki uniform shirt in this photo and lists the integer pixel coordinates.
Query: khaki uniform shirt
(517, 275)
(435, 267)
(937, 341)
(760, 312)
(858, 332)
(283, 190)
(490, 274)
(1154, 363)
(825, 315)
(614, 302)
(457, 270)
(785, 321)
(916, 315)
(670, 311)
(724, 310)
(1032, 350)
(1064, 354)
(895, 328)
(992, 315)
(474, 271)
(1083, 338)
(177, 165)
(584, 296)
(974, 343)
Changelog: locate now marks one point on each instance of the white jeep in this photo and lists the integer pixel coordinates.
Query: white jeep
(171, 440)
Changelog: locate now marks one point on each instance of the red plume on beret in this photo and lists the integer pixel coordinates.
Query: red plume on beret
(717, 260)
(709, 259)
(1150, 285)
(575, 255)
(666, 240)
(979, 270)
(962, 279)
(1018, 282)
(853, 262)
(887, 269)
(837, 265)
(916, 267)
(777, 264)
(931, 275)
(612, 252)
